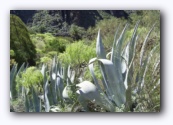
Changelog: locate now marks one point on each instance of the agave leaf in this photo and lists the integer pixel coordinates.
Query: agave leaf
(21, 69)
(43, 70)
(144, 69)
(116, 54)
(116, 50)
(53, 77)
(156, 85)
(54, 91)
(65, 93)
(100, 51)
(132, 45)
(125, 58)
(36, 100)
(53, 88)
(143, 45)
(72, 77)
(156, 65)
(115, 85)
(54, 69)
(13, 73)
(88, 91)
(27, 105)
(45, 84)
(46, 100)
(65, 72)
(129, 68)
(146, 64)
(91, 68)
(60, 87)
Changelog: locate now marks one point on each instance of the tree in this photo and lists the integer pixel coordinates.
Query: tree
(20, 42)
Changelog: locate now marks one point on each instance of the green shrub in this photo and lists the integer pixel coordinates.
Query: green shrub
(77, 32)
(77, 53)
(31, 77)
(48, 45)
(20, 42)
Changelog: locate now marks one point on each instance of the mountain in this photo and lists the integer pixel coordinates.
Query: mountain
(60, 20)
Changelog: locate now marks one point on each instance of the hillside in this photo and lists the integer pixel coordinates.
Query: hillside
(55, 21)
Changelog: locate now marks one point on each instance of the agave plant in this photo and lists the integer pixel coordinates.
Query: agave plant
(117, 73)
(57, 90)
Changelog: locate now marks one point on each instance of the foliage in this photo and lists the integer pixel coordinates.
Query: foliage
(20, 42)
(43, 22)
(118, 77)
(77, 54)
(122, 78)
(31, 77)
(48, 46)
(76, 32)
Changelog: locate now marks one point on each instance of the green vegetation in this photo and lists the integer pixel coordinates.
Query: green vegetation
(31, 77)
(47, 46)
(60, 66)
(21, 46)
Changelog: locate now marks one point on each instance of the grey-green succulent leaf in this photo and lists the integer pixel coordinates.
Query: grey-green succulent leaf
(36, 100)
(100, 51)
(114, 83)
(88, 91)
(13, 73)
(46, 99)
(143, 45)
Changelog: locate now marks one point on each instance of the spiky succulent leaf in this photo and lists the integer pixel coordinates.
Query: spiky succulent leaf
(36, 100)
(114, 83)
(60, 87)
(27, 105)
(116, 49)
(13, 72)
(143, 45)
(46, 99)
(100, 51)
(88, 91)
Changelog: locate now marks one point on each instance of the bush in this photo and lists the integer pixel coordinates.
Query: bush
(77, 32)
(31, 77)
(77, 55)
(20, 42)
(48, 45)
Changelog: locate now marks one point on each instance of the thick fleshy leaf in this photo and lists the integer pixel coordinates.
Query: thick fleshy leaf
(72, 78)
(125, 58)
(21, 69)
(116, 49)
(13, 92)
(146, 65)
(88, 91)
(116, 54)
(100, 51)
(132, 45)
(143, 69)
(156, 65)
(36, 100)
(46, 100)
(143, 45)
(60, 87)
(43, 69)
(27, 105)
(91, 68)
(114, 84)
